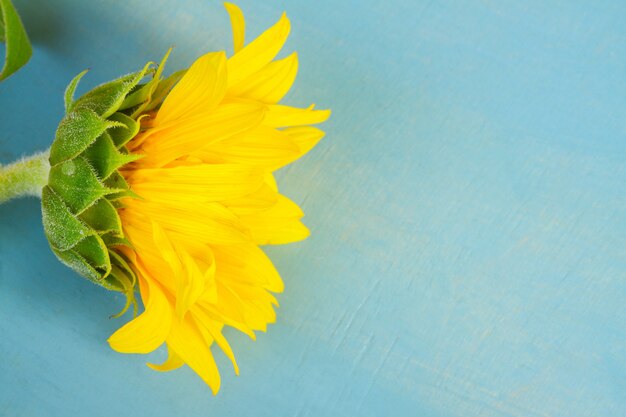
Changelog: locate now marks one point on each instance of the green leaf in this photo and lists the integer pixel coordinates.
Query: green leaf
(106, 99)
(18, 48)
(77, 184)
(102, 217)
(63, 230)
(75, 133)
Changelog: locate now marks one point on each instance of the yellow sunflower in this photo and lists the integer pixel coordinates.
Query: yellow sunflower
(207, 199)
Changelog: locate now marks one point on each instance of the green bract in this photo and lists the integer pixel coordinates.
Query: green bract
(84, 187)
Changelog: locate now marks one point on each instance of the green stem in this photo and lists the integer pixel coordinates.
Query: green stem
(25, 177)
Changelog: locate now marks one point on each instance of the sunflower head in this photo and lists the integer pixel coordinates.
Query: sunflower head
(169, 185)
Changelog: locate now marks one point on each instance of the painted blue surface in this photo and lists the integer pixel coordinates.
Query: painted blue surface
(468, 210)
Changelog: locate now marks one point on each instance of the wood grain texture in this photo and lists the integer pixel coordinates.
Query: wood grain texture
(468, 210)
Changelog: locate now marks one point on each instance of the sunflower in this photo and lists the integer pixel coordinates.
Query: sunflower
(208, 199)
(170, 185)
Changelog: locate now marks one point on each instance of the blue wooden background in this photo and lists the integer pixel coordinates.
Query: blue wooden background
(468, 210)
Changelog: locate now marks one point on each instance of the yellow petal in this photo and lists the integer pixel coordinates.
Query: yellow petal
(169, 141)
(277, 231)
(259, 52)
(200, 90)
(189, 279)
(234, 305)
(187, 340)
(150, 329)
(254, 294)
(280, 116)
(271, 181)
(215, 330)
(150, 264)
(209, 292)
(278, 225)
(305, 137)
(260, 200)
(269, 84)
(262, 146)
(167, 251)
(238, 23)
(248, 263)
(172, 362)
(209, 182)
(148, 260)
(191, 288)
(234, 322)
(206, 222)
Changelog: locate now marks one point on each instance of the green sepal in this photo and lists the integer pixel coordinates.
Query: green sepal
(63, 230)
(102, 217)
(117, 196)
(116, 181)
(137, 96)
(139, 99)
(105, 158)
(119, 261)
(163, 90)
(106, 99)
(94, 251)
(122, 134)
(118, 280)
(77, 183)
(78, 129)
(79, 264)
(69, 92)
(112, 240)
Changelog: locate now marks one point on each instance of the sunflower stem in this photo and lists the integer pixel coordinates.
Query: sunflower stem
(25, 177)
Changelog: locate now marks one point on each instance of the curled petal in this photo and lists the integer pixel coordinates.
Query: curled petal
(238, 23)
(172, 362)
(258, 53)
(149, 330)
(193, 347)
(281, 116)
(269, 84)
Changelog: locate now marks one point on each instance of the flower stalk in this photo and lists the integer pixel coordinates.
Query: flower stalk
(25, 177)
